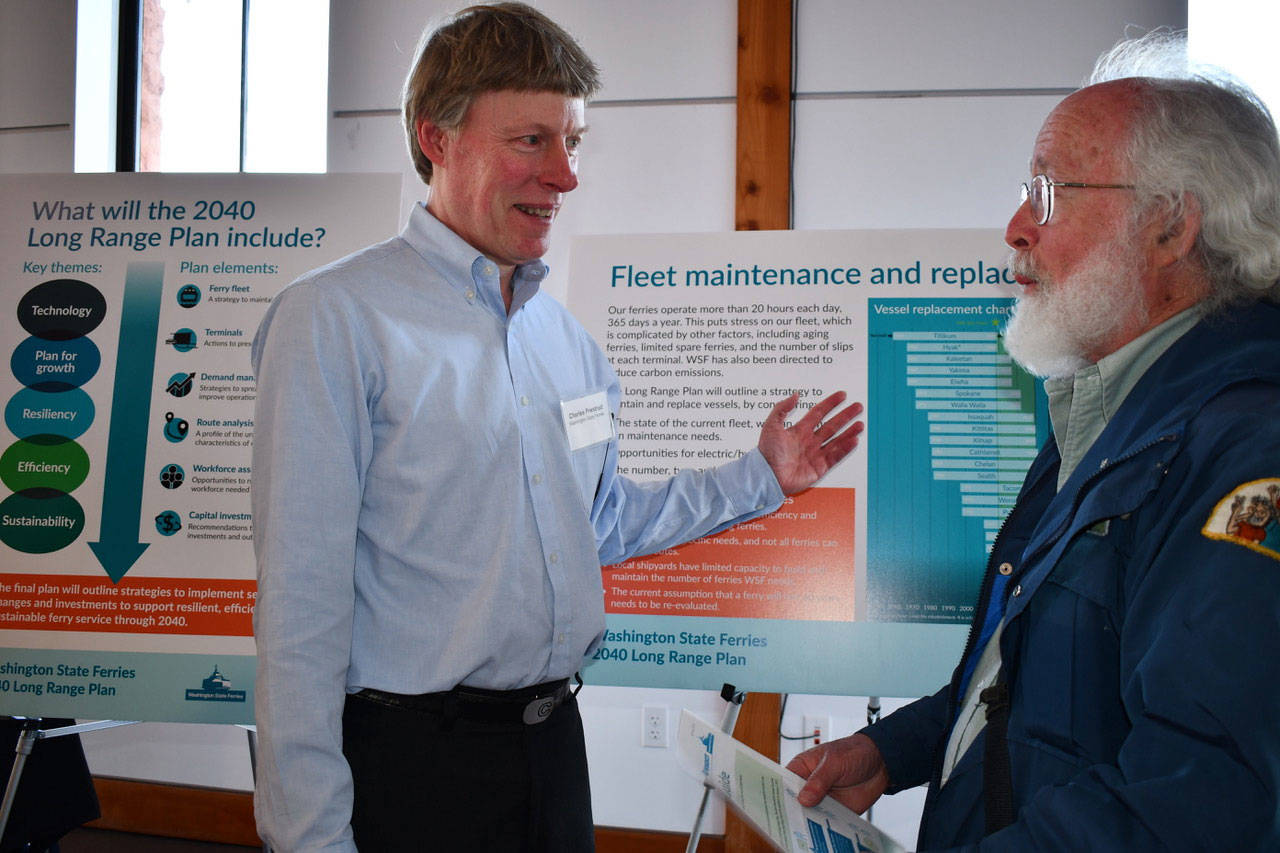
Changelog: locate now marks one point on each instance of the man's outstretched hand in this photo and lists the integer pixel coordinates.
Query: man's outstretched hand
(802, 453)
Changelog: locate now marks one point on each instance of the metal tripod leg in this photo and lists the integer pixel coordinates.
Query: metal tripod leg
(735, 699)
(26, 742)
(31, 732)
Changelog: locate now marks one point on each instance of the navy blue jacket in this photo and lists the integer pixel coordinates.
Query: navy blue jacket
(1142, 643)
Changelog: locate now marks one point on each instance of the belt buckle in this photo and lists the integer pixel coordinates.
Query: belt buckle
(538, 710)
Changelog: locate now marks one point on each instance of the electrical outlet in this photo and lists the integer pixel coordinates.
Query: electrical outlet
(653, 726)
(817, 729)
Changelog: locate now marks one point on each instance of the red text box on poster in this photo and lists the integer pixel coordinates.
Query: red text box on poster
(207, 607)
(797, 563)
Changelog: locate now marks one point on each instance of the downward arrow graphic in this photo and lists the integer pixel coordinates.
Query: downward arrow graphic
(118, 548)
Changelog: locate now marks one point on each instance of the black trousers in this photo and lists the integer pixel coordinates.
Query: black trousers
(424, 782)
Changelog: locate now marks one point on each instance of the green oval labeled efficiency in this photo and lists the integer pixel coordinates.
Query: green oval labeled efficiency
(44, 462)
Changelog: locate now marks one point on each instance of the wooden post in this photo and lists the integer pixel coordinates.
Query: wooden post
(763, 180)
(763, 202)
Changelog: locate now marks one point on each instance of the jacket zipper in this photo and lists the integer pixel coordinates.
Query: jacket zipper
(984, 596)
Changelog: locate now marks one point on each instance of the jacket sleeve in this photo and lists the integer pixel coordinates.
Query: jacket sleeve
(908, 740)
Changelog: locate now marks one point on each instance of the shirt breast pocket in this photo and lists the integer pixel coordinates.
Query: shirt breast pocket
(588, 470)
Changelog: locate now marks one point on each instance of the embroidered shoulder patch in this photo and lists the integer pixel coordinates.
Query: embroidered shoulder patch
(1249, 516)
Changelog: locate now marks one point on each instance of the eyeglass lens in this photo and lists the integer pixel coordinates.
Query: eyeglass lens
(1039, 192)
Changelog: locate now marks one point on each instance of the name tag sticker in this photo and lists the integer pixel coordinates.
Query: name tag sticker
(587, 420)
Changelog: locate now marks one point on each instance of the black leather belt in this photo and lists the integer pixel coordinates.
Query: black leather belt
(528, 705)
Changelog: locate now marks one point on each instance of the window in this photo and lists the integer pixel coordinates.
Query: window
(216, 94)
(1239, 36)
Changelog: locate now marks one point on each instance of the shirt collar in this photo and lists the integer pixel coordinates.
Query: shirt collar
(466, 269)
(1080, 406)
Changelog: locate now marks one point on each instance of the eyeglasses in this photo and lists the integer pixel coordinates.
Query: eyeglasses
(1040, 191)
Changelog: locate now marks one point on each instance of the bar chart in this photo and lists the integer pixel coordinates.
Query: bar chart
(955, 424)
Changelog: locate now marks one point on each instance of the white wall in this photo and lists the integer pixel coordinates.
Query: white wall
(37, 84)
(912, 113)
(929, 108)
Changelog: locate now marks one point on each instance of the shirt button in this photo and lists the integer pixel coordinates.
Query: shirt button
(1006, 569)
(553, 557)
(560, 639)
(524, 400)
(471, 295)
(489, 269)
(536, 478)
(1017, 590)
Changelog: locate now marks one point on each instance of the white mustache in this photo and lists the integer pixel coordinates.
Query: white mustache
(1021, 264)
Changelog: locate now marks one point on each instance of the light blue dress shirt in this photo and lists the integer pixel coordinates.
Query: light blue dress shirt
(420, 520)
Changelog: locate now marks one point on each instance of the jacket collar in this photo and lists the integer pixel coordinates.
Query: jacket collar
(1146, 432)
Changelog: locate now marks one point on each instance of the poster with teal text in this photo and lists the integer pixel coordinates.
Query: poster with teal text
(128, 304)
(864, 584)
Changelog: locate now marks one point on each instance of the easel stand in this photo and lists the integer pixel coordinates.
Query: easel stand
(873, 717)
(734, 698)
(31, 732)
(252, 732)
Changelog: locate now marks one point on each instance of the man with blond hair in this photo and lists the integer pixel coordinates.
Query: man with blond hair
(436, 485)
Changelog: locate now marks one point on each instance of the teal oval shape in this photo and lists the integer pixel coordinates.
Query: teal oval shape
(55, 365)
(66, 414)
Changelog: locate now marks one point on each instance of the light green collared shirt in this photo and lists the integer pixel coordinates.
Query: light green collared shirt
(1081, 405)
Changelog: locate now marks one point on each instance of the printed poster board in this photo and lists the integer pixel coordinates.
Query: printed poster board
(865, 584)
(126, 563)
(126, 581)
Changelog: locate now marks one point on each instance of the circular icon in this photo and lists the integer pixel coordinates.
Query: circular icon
(168, 522)
(175, 428)
(183, 340)
(180, 384)
(189, 296)
(172, 476)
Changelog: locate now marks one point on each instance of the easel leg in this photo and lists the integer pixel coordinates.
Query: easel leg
(26, 742)
(734, 698)
(873, 717)
(252, 732)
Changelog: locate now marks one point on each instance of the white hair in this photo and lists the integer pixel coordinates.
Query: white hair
(1201, 133)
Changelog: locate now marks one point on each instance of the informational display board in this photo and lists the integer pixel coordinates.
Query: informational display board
(126, 561)
(866, 583)
(126, 564)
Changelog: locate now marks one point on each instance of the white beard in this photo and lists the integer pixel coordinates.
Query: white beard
(1054, 332)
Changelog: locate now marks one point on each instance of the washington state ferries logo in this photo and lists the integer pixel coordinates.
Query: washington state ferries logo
(215, 688)
(1249, 516)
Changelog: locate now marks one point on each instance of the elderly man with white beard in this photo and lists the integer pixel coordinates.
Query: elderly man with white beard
(1121, 683)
